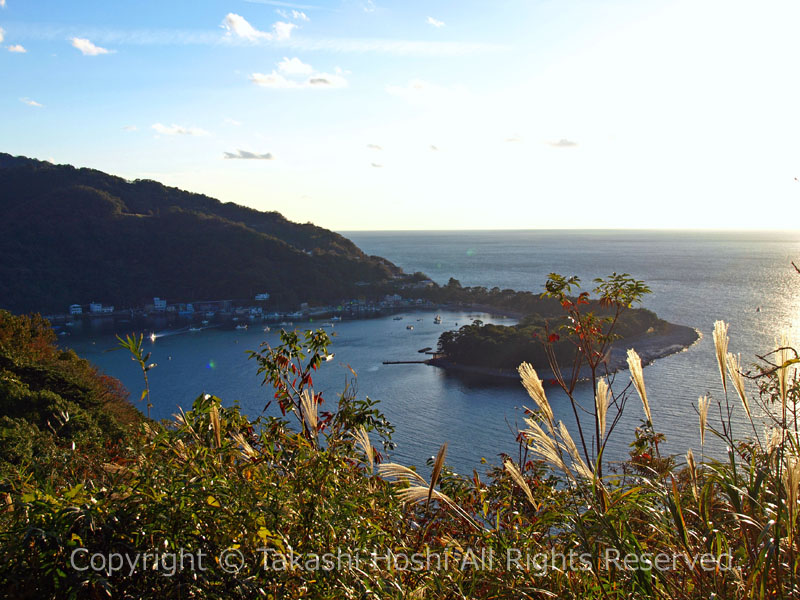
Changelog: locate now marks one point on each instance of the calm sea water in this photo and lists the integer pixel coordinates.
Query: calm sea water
(696, 277)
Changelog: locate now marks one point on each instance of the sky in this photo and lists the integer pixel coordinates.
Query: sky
(457, 114)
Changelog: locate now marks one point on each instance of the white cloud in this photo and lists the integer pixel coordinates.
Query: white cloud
(2, 34)
(17, 48)
(234, 122)
(30, 102)
(295, 74)
(376, 165)
(563, 143)
(434, 22)
(294, 66)
(244, 154)
(282, 31)
(87, 48)
(296, 15)
(178, 130)
(237, 25)
(374, 147)
(130, 128)
(434, 148)
(2, 3)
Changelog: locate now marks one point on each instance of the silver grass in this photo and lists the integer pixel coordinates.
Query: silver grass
(635, 366)
(362, 438)
(577, 462)
(247, 449)
(417, 494)
(783, 372)
(533, 385)
(402, 473)
(774, 438)
(702, 408)
(735, 372)
(602, 399)
(791, 482)
(438, 464)
(692, 470)
(309, 407)
(721, 346)
(545, 447)
(516, 475)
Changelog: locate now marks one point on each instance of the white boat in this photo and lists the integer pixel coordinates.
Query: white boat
(204, 322)
(266, 329)
(397, 318)
(409, 327)
(194, 329)
(336, 318)
(437, 319)
(241, 326)
(153, 337)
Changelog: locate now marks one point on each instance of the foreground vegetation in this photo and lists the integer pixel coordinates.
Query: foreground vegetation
(99, 503)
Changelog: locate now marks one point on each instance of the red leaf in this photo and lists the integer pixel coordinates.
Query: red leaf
(553, 337)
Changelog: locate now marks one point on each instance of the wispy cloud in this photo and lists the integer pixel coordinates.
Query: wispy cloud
(513, 139)
(285, 4)
(2, 34)
(87, 48)
(2, 3)
(177, 130)
(237, 26)
(234, 122)
(17, 48)
(376, 165)
(563, 143)
(434, 22)
(434, 148)
(422, 92)
(130, 128)
(244, 154)
(210, 37)
(374, 147)
(297, 15)
(30, 102)
(286, 77)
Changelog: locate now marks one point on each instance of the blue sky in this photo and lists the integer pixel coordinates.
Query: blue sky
(363, 114)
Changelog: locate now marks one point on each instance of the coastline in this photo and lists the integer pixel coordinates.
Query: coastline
(650, 347)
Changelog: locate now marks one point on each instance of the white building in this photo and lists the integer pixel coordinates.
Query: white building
(108, 309)
(159, 304)
(75, 309)
(264, 296)
(95, 307)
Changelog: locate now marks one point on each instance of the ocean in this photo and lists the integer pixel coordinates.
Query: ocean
(744, 278)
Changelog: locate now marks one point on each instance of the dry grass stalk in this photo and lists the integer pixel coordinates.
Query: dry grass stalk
(635, 366)
(791, 482)
(533, 385)
(735, 372)
(516, 475)
(247, 450)
(783, 371)
(721, 347)
(214, 414)
(692, 470)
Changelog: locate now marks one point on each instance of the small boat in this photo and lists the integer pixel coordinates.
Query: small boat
(235, 319)
(327, 324)
(437, 319)
(266, 329)
(204, 322)
(153, 337)
(336, 318)
(409, 327)
(193, 329)
(397, 318)
(241, 326)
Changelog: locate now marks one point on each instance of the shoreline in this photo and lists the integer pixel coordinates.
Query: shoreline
(650, 347)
